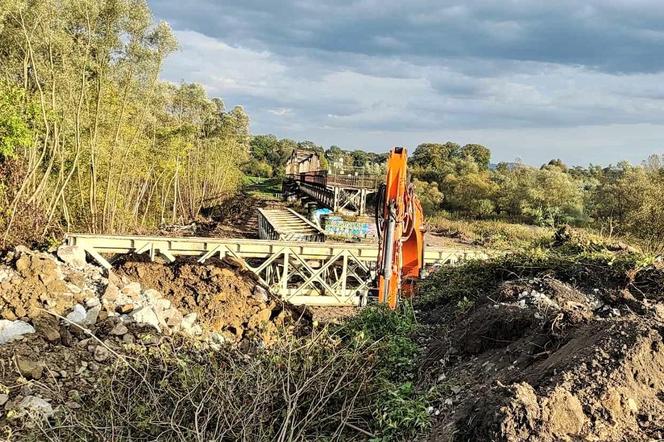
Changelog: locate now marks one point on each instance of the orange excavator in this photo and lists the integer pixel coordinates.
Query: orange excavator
(400, 222)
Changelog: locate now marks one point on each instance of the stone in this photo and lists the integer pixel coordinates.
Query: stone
(12, 330)
(50, 330)
(92, 315)
(173, 317)
(151, 295)
(187, 323)
(23, 265)
(29, 368)
(92, 302)
(34, 405)
(101, 353)
(124, 309)
(77, 315)
(162, 304)
(3, 399)
(132, 290)
(261, 293)
(72, 405)
(145, 315)
(119, 330)
(72, 255)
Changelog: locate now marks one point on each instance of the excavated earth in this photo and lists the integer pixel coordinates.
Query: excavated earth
(64, 321)
(227, 298)
(541, 360)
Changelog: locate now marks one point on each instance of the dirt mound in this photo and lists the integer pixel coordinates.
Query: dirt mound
(33, 282)
(541, 360)
(227, 299)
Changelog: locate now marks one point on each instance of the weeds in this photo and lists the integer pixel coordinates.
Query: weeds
(497, 234)
(583, 262)
(353, 382)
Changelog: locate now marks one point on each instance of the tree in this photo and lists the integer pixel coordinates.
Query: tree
(478, 153)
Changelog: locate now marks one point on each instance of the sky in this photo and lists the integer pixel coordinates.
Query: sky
(530, 79)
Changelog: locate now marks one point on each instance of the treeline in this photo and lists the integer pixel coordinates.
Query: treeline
(624, 199)
(269, 155)
(90, 138)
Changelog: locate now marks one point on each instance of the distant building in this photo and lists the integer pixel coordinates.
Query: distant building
(301, 161)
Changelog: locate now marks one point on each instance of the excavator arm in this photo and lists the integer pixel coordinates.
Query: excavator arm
(399, 220)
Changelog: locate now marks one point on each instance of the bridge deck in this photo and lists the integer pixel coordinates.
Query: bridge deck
(313, 273)
(287, 225)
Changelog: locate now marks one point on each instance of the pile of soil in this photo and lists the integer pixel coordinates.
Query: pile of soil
(227, 299)
(33, 282)
(541, 360)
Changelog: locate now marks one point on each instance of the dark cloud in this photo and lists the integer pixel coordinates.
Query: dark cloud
(367, 70)
(623, 36)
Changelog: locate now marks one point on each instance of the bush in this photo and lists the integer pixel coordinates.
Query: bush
(349, 382)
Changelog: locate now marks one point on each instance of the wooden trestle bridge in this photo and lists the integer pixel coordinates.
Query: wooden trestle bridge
(311, 273)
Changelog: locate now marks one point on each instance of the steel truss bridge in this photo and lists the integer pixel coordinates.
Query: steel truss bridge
(311, 273)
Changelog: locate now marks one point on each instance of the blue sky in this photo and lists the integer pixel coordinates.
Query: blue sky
(578, 80)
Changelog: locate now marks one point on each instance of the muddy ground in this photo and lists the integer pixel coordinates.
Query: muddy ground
(540, 359)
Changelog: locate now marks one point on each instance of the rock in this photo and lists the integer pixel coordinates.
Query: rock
(49, 330)
(72, 255)
(92, 315)
(261, 293)
(113, 279)
(111, 294)
(101, 354)
(12, 330)
(145, 315)
(77, 315)
(124, 309)
(187, 323)
(151, 295)
(173, 317)
(34, 405)
(3, 399)
(23, 265)
(72, 405)
(163, 304)
(29, 368)
(119, 330)
(132, 290)
(92, 302)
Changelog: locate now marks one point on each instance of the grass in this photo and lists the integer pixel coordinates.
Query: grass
(581, 261)
(495, 234)
(262, 188)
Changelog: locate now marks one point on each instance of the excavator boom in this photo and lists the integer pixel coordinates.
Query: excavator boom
(399, 219)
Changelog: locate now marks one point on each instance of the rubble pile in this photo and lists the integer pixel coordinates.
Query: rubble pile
(63, 320)
(540, 359)
(226, 298)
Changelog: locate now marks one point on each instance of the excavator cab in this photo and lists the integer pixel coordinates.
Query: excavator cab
(399, 222)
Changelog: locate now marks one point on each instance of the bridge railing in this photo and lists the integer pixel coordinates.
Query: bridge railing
(324, 179)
